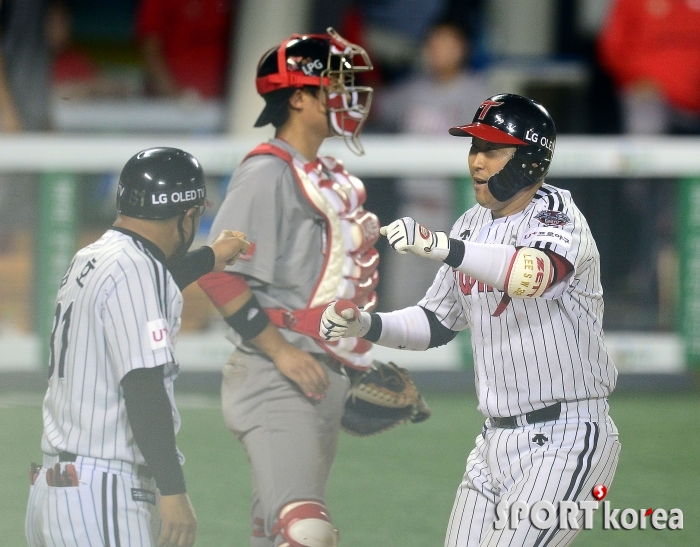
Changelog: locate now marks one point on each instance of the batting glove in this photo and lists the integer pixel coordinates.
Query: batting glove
(343, 319)
(405, 235)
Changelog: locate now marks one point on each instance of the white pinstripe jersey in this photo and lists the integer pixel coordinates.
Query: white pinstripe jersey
(118, 309)
(538, 351)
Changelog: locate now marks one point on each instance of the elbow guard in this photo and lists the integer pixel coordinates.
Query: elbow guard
(531, 272)
(439, 333)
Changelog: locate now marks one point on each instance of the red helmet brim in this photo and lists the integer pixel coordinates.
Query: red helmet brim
(485, 132)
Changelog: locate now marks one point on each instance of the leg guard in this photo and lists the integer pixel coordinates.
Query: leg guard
(306, 524)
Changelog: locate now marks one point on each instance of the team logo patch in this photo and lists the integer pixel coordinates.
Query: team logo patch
(306, 64)
(139, 494)
(158, 334)
(552, 218)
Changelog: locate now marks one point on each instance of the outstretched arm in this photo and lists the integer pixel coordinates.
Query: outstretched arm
(520, 272)
(223, 251)
(413, 328)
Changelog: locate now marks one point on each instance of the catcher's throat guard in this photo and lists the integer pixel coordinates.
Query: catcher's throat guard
(382, 398)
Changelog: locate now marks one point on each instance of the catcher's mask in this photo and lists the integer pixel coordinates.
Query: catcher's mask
(327, 61)
(520, 122)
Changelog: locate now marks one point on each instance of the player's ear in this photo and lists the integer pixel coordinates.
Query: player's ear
(194, 212)
(296, 101)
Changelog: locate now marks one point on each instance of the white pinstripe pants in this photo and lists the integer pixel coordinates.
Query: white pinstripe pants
(100, 511)
(508, 465)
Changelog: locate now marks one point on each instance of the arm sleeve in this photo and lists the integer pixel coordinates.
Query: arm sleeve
(150, 416)
(222, 287)
(401, 329)
(413, 328)
(193, 266)
(487, 263)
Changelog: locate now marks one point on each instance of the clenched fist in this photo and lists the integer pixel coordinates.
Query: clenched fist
(343, 319)
(227, 248)
(405, 235)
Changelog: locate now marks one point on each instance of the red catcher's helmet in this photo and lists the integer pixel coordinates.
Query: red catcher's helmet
(327, 61)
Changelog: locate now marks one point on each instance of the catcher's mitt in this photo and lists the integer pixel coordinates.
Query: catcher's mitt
(381, 398)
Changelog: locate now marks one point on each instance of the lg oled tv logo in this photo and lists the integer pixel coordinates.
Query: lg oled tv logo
(566, 515)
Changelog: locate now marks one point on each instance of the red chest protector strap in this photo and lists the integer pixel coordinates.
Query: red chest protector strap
(267, 148)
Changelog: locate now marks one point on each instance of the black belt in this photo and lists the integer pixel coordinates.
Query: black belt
(542, 415)
(143, 471)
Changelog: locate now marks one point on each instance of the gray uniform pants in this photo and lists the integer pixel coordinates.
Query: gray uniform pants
(290, 441)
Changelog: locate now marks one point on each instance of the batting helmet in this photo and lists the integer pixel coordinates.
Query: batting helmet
(327, 61)
(160, 183)
(520, 122)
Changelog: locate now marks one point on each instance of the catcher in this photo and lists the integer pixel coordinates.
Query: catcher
(285, 388)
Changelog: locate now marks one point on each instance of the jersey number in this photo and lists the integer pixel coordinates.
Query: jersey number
(65, 322)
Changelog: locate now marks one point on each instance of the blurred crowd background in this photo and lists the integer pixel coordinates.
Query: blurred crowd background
(601, 67)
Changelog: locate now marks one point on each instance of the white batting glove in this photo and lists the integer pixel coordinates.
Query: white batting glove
(405, 235)
(343, 319)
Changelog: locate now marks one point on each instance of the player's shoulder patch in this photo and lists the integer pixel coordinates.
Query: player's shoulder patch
(159, 334)
(552, 218)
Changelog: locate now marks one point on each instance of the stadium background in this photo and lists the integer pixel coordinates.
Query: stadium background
(56, 194)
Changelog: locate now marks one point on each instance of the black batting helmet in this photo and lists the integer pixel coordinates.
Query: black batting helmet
(160, 183)
(520, 122)
(327, 61)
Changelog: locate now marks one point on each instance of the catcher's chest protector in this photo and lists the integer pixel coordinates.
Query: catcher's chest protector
(350, 266)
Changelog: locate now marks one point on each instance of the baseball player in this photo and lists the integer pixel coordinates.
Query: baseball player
(284, 387)
(111, 472)
(522, 272)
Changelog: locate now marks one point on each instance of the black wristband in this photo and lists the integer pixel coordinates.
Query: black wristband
(456, 254)
(193, 266)
(250, 320)
(375, 329)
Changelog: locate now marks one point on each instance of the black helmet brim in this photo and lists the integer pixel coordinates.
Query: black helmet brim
(275, 101)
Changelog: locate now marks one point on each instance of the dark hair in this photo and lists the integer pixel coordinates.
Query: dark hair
(280, 100)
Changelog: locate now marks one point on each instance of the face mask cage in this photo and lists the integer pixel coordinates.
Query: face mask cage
(348, 103)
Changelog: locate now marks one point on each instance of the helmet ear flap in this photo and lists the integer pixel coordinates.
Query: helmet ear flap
(533, 162)
(506, 183)
(525, 168)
